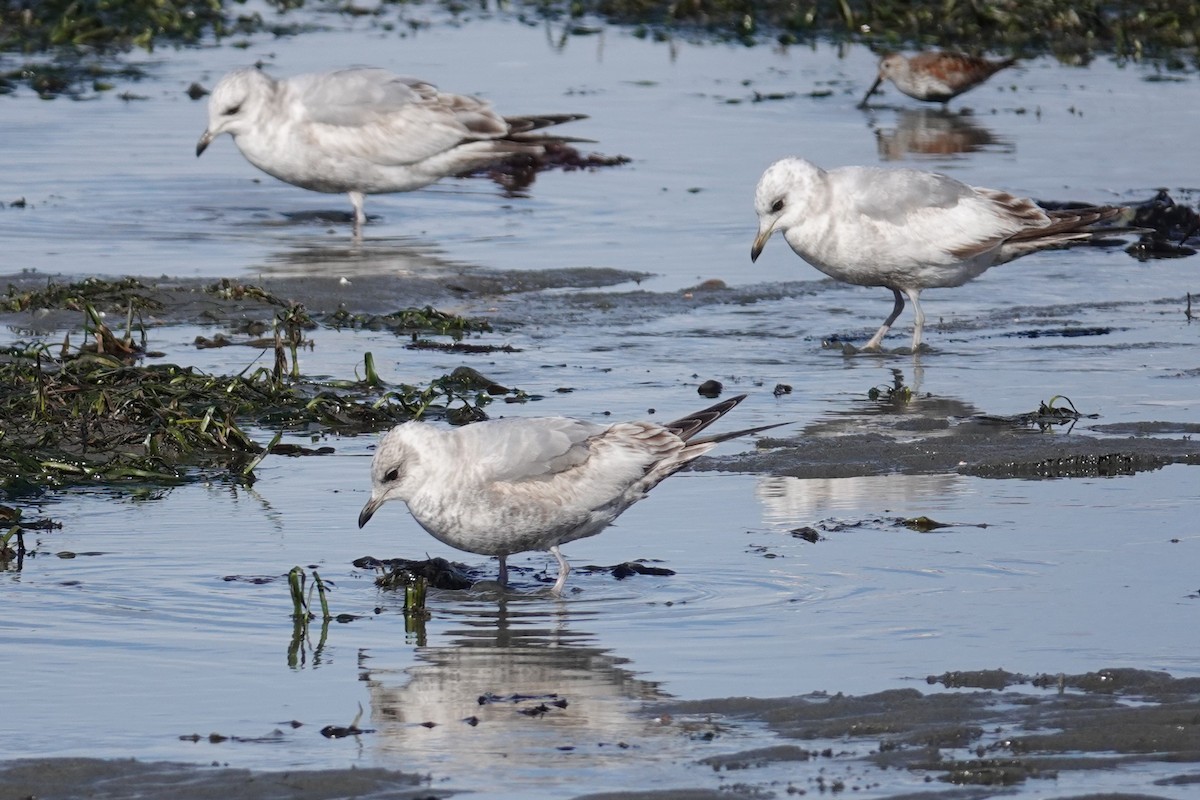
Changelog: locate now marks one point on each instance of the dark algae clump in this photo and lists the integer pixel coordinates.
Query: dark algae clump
(1164, 30)
(88, 408)
(1067, 29)
(79, 33)
(1125, 29)
(120, 24)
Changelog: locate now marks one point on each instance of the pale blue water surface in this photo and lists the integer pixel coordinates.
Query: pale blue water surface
(157, 628)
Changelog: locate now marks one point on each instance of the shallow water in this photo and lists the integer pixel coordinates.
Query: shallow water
(173, 617)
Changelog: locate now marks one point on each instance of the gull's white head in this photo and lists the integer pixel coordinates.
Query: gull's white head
(783, 197)
(395, 469)
(234, 104)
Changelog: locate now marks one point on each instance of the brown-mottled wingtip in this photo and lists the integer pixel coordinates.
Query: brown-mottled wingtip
(687, 427)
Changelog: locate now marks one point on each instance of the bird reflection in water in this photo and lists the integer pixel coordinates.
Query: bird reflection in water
(935, 132)
(505, 686)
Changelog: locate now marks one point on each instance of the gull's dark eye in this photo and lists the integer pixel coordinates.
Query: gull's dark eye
(229, 112)
(392, 475)
(777, 206)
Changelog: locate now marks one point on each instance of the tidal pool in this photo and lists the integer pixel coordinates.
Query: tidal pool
(155, 622)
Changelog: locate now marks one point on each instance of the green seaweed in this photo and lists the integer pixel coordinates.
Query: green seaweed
(93, 413)
(103, 295)
(122, 24)
(76, 31)
(1057, 26)
(410, 321)
(1068, 28)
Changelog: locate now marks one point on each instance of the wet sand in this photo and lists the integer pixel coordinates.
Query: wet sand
(982, 739)
(924, 434)
(62, 778)
(978, 741)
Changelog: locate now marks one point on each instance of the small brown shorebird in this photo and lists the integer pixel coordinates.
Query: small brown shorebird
(936, 77)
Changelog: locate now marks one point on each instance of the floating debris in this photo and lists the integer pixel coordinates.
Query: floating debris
(544, 702)
(301, 602)
(342, 731)
(15, 533)
(436, 572)
(897, 394)
(626, 569)
(413, 583)
(1066, 333)
(1045, 418)
(410, 321)
(924, 524)
(807, 533)
(518, 173)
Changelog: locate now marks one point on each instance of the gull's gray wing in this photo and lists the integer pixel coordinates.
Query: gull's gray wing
(941, 217)
(389, 119)
(563, 473)
(524, 448)
(895, 195)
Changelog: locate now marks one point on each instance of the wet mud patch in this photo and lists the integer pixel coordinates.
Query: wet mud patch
(1108, 720)
(981, 452)
(931, 435)
(1065, 333)
(897, 432)
(38, 303)
(620, 308)
(55, 779)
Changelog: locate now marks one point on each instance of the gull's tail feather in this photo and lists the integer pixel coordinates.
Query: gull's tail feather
(514, 159)
(533, 122)
(547, 138)
(687, 427)
(1071, 226)
(522, 129)
(722, 437)
(1081, 220)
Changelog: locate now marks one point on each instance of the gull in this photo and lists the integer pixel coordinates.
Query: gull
(937, 77)
(907, 230)
(364, 130)
(531, 483)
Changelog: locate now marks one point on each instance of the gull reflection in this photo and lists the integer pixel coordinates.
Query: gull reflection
(789, 502)
(399, 256)
(513, 679)
(935, 132)
(864, 451)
